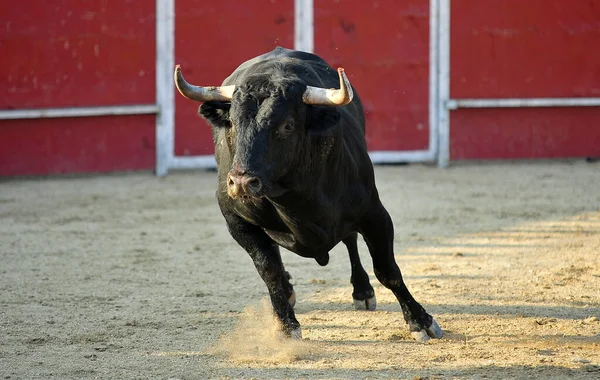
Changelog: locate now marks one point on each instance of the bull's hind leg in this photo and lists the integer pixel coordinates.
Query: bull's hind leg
(378, 231)
(267, 261)
(363, 293)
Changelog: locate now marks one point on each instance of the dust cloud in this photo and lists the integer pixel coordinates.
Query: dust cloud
(258, 338)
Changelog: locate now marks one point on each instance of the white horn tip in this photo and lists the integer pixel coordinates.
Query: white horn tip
(331, 96)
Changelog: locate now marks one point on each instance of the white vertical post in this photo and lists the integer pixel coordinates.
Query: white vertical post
(304, 25)
(433, 76)
(443, 117)
(165, 96)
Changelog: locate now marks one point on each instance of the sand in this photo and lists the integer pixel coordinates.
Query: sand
(130, 276)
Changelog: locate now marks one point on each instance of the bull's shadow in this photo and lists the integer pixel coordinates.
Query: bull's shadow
(574, 311)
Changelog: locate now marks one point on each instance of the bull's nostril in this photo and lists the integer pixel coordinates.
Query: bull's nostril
(244, 185)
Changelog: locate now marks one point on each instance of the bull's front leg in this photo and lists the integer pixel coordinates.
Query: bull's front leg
(267, 261)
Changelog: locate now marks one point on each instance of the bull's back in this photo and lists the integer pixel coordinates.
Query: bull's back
(277, 54)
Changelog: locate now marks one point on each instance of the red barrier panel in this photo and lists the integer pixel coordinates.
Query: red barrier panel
(211, 40)
(76, 145)
(76, 53)
(524, 49)
(384, 47)
(525, 133)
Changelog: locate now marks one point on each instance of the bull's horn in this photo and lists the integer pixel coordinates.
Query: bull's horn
(201, 94)
(330, 97)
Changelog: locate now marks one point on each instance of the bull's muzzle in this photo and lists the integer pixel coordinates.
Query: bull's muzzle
(243, 185)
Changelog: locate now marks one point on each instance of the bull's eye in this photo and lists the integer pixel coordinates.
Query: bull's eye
(286, 129)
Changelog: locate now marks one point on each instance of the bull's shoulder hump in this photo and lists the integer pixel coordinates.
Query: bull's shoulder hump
(281, 52)
(278, 54)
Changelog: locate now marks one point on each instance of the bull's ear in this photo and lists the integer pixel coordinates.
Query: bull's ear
(321, 119)
(217, 113)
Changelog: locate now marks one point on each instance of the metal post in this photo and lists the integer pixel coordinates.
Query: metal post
(434, 97)
(520, 102)
(39, 113)
(165, 96)
(444, 84)
(304, 25)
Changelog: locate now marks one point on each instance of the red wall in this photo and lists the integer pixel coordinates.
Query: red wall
(76, 53)
(384, 47)
(88, 53)
(534, 48)
(211, 41)
(386, 58)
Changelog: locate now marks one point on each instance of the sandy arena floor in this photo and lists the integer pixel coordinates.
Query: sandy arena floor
(131, 277)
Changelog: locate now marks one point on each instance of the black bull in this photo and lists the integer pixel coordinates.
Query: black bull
(293, 171)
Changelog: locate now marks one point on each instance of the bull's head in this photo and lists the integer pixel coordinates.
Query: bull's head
(266, 124)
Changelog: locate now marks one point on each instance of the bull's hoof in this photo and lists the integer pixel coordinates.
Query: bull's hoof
(420, 336)
(434, 331)
(296, 333)
(369, 304)
(292, 299)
